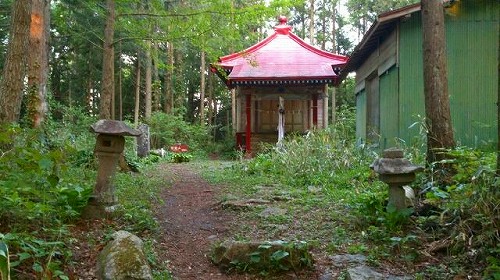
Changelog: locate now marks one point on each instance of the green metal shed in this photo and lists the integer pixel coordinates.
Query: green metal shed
(389, 77)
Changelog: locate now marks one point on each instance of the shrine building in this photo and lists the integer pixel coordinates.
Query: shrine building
(279, 86)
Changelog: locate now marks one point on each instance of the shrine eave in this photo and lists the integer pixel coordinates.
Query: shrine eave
(280, 82)
(281, 59)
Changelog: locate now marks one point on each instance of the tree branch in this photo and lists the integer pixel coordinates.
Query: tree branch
(181, 15)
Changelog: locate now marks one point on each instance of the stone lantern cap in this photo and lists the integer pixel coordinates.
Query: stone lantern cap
(112, 127)
(394, 163)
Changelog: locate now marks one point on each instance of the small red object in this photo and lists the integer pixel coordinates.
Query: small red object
(179, 148)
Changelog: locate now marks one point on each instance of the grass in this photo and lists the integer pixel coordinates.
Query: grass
(342, 208)
(330, 196)
(139, 194)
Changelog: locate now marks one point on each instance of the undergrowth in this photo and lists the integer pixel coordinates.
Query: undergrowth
(41, 192)
(46, 178)
(334, 200)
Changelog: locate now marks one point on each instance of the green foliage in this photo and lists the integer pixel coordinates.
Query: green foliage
(492, 271)
(180, 157)
(363, 13)
(324, 172)
(158, 267)
(471, 200)
(167, 130)
(43, 255)
(71, 127)
(373, 209)
(274, 257)
(37, 185)
(45, 181)
(4, 260)
(137, 194)
(320, 158)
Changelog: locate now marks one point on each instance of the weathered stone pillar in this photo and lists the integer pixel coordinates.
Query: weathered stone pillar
(143, 142)
(107, 149)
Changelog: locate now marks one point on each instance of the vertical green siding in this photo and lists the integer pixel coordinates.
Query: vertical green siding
(361, 116)
(411, 85)
(472, 49)
(389, 108)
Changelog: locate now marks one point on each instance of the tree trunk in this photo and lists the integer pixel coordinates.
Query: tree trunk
(156, 85)
(323, 31)
(108, 69)
(120, 86)
(89, 95)
(191, 107)
(137, 92)
(437, 104)
(169, 74)
(179, 100)
(334, 47)
(202, 89)
(11, 83)
(498, 119)
(148, 82)
(334, 27)
(214, 122)
(210, 98)
(38, 65)
(311, 22)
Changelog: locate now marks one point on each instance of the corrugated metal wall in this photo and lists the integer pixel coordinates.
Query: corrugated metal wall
(389, 108)
(411, 86)
(472, 30)
(472, 48)
(361, 116)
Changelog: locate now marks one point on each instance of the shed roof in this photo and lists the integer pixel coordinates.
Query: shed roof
(280, 59)
(386, 22)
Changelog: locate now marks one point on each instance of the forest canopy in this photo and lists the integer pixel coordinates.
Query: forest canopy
(157, 50)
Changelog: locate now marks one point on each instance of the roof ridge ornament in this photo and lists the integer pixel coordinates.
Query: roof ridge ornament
(283, 28)
(283, 20)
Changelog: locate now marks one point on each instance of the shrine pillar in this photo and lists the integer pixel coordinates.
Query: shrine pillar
(315, 110)
(248, 130)
(325, 107)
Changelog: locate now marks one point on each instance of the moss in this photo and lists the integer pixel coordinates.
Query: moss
(123, 259)
(259, 257)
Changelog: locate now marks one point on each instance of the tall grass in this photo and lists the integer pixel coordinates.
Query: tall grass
(326, 173)
(322, 158)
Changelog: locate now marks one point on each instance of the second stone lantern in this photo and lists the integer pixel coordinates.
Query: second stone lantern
(396, 171)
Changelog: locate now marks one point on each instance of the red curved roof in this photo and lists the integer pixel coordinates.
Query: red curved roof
(282, 58)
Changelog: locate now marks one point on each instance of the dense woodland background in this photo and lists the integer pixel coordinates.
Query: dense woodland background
(126, 59)
(67, 63)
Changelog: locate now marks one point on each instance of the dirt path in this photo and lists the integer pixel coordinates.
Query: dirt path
(191, 221)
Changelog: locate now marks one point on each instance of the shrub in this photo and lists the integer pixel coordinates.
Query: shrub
(320, 158)
(41, 189)
(167, 130)
(181, 157)
(38, 186)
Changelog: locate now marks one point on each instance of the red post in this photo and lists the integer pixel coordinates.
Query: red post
(248, 134)
(315, 110)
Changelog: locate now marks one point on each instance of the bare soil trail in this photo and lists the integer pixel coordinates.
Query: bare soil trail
(191, 220)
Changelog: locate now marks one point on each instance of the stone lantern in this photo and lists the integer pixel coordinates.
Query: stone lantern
(397, 172)
(109, 146)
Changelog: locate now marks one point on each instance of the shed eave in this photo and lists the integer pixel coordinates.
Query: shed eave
(384, 24)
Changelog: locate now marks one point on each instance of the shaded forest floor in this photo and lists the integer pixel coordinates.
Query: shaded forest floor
(192, 219)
